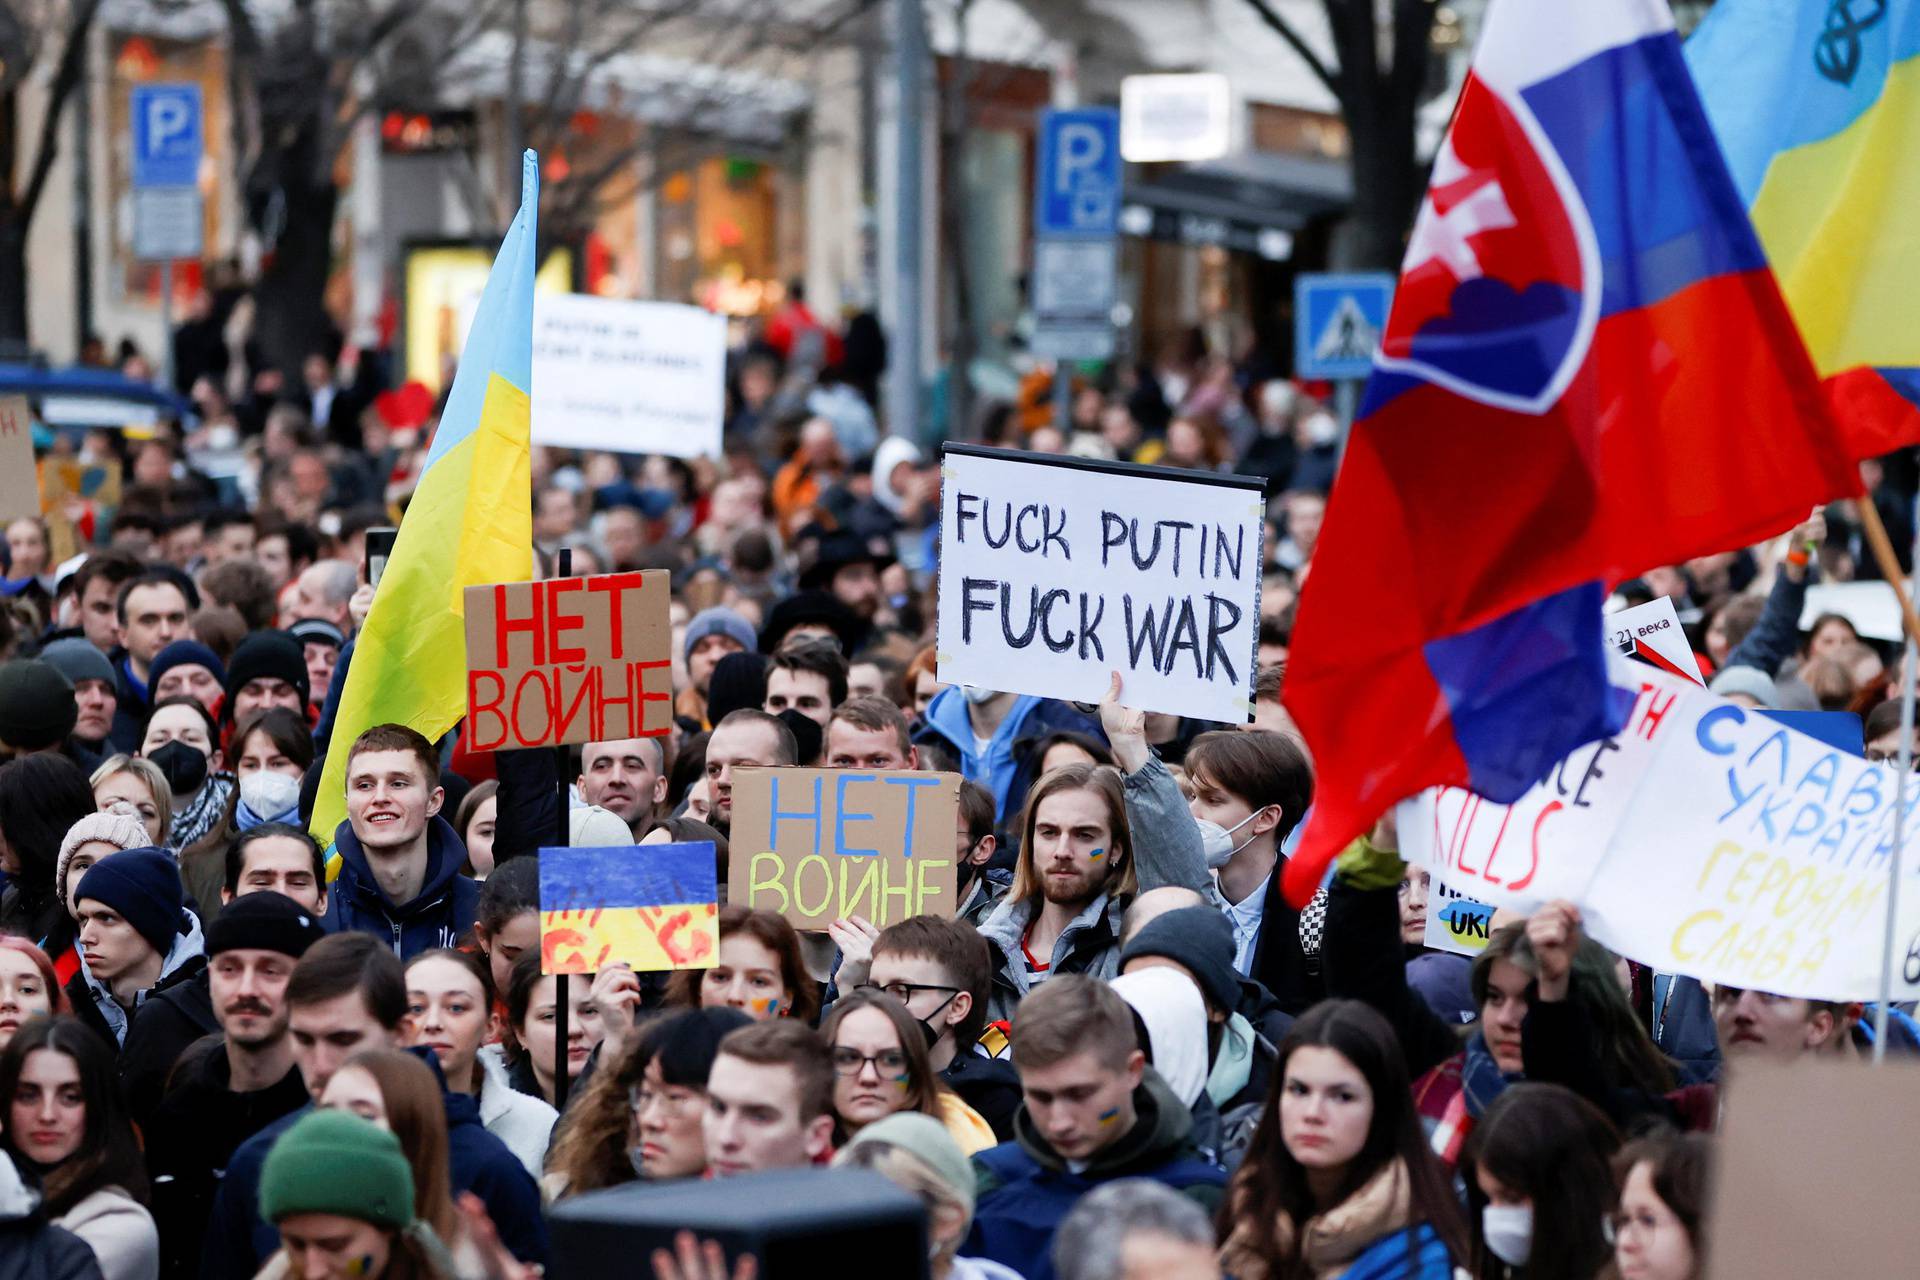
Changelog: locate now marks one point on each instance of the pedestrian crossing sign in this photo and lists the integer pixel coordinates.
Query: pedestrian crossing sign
(1337, 323)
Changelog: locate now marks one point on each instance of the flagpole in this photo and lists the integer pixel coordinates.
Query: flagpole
(1890, 569)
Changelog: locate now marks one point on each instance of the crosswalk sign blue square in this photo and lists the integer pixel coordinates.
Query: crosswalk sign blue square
(1338, 320)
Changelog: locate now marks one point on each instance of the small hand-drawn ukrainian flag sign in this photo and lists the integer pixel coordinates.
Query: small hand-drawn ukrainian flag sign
(649, 906)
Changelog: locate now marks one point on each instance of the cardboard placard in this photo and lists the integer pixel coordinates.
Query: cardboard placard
(649, 906)
(569, 660)
(817, 845)
(1812, 1170)
(1056, 572)
(19, 490)
(62, 479)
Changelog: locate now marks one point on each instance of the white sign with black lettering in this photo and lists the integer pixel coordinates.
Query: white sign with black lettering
(628, 377)
(1056, 572)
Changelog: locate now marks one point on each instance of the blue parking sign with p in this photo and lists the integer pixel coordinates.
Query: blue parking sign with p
(166, 135)
(1077, 188)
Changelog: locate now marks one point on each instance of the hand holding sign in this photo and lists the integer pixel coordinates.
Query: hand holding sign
(1553, 932)
(854, 936)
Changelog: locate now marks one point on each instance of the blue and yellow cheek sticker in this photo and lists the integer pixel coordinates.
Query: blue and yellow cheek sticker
(768, 1008)
(1096, 855)
(1108, 1117)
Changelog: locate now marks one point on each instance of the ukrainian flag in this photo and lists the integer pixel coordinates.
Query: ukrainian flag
(1817, 106)
(470, 522)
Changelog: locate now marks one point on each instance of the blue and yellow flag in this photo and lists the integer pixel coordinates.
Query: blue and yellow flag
(1817, 106)
(470, 522)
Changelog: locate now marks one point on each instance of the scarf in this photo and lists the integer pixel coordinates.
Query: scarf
(203, 815)
(1330, 1241)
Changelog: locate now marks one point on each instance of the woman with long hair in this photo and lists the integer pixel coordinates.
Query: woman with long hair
(397, 1092)
(475, 821)
(271, 754)
(41, 797)
(29, 987)
(529, 1055)
(64, 1121)
(761, 971)
(450, 1010)
(881, 1066)
(1659, 1229)
(1537, 1169)
(643, 1115)
(1338, 1176)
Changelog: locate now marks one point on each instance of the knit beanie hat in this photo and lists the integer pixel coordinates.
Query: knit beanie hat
(717, 621)
(37, 709)
(923, 1136)
(1199, 938)
(335, 1162)
(121, 830)
(143, 885)
(1752, 681)
(268, 653)
(77, 660)
(185, 653)
(738, 680)
(816, 608)
(264, 921)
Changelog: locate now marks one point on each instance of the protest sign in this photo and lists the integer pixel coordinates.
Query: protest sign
(648, 906)
(1651, 633)
(1814, 1170)
(1456, 922)
(1055, 572)
(1756, 856)
(19, 488)
(568, 660)
(629, 377)
(816, 845)
(62, 480)
(1546, 844)
(1871, 607)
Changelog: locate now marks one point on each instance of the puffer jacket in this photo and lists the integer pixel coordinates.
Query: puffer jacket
(120, 1232)
(31, 1247)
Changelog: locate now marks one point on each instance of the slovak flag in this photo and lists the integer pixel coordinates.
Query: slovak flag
(1587, 371)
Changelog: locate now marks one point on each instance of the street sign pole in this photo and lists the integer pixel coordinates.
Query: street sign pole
(166, 324)
(168, 217)
(1075, 243)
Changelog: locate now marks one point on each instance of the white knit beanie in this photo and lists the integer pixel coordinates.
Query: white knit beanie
(121, 830)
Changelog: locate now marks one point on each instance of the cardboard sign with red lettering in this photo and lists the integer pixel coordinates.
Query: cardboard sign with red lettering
(19, 485)
(569, 660)
(816, 845)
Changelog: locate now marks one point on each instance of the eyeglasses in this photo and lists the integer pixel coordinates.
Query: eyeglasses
(639, 1097)
(1890, 757)
(906, 991)
(850, 1062)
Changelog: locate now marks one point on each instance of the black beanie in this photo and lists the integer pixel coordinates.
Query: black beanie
(37, 709)
(738, 680)
(264, 921)
(1201, 938)
(267, 653)
(817, 608)
(143, 885)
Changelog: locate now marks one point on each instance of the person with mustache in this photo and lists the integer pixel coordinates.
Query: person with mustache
(228, 1088)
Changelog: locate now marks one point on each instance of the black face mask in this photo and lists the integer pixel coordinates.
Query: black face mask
(183, 764)
(927, 1027)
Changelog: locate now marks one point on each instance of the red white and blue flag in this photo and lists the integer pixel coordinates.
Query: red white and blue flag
(1588, 371)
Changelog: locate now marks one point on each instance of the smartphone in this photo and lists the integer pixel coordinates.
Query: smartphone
(379, 548)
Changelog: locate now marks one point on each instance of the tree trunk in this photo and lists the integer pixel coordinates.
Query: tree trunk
(13, 280)
(292, 321)
(963, 342)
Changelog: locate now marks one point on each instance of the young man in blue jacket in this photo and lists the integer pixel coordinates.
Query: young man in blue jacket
(1094, 1111)
(399, 859)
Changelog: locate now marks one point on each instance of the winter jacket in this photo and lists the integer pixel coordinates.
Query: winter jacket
(238, 1241)
(93, 1002)
(120, 1232)
(1166, 851)
(524, 1124)
(1025, 1188)
(176, 1012)
(131, 706)
(946, 724)
(989, 1086)
(437, 917)
(1370, 1235)
(31, 1247)
(1776, 635)
(192, 1136)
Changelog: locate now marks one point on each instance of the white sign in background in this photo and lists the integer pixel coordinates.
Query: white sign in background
(1055, 573)
(629, 377)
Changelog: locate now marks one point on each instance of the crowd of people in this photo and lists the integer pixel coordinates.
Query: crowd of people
(1125, 1055)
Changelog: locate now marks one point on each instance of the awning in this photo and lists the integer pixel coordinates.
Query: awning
(1252, 202)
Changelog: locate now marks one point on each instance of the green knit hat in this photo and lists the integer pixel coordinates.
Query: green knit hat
(335, 1162)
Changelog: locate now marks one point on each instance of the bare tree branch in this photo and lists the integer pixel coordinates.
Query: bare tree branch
(66, 76)
(1327, 76)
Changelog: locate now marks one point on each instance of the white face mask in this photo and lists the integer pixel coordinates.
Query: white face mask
(1217, 841)
(269, 794)
(1509, 1232)
(976, 695)
(1323, 428)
